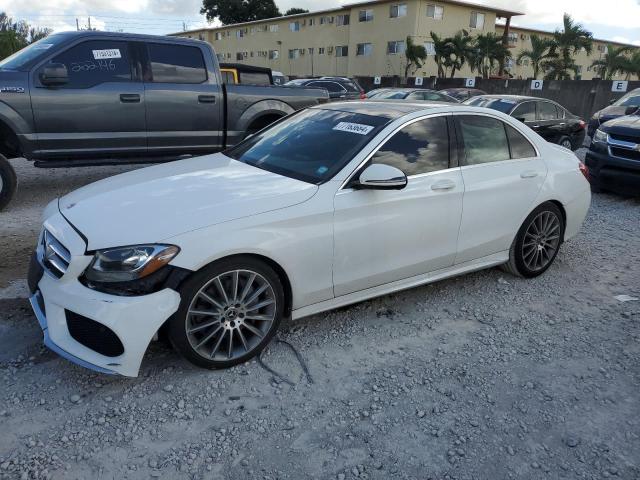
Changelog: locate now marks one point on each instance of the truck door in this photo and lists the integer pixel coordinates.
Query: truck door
(183, 99)
(99, 112)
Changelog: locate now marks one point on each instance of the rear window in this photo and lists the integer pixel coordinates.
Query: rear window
(499, 104)
(255, 78)
(312, 145)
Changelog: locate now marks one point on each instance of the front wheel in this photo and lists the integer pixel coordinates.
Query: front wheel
(8, 182)
(566, 143)
(228, 313)
(537, 242)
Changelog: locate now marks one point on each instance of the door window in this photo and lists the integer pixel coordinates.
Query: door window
(176, 63)
(332, 87)
(484, 139)
(520, 146)
(94, 62)
(525, 112)
(547, 111)
(420, 147)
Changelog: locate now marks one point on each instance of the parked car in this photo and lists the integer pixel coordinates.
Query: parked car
(414, 94)
(233, 73)
(279, 78)
(626, 105)
(339, 88)
(613, 158)
(376, 91)
(462, 94)
(331, 206)
(90, 98)
(548, 119)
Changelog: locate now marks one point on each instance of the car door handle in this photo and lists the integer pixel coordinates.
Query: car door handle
(529, 174)
(129, 98)
(535, 126)
(443, 185)
(207, 98)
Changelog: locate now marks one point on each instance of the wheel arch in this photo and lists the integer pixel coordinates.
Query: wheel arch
(10, 145)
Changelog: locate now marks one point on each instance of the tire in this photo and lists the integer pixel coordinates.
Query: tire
(544, 245)
(206, 320)
(595, 185)
(8, 182)
(565, 142)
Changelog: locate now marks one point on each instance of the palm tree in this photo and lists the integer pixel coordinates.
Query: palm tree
(487, 50)
(631, 65)
(612, 62)
(415, 54)
(17, 35)
(568, 42)
(459, 50)
(541, 49)
(440, 52)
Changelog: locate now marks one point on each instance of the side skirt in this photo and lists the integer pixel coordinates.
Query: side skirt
(362, 295)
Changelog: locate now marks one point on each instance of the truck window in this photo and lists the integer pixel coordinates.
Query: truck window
(94, 62)
(176, 63)
(254, 78)
(227, 77)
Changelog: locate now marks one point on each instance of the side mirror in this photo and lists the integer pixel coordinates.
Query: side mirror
(612, 101)
(382, 177)
(521, 119)
(54, 74)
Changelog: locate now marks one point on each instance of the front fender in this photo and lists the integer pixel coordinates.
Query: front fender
(19, 126)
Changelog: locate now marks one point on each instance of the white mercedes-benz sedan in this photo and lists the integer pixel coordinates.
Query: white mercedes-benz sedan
(330, 206)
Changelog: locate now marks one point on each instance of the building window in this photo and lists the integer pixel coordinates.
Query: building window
(310, 50)
(201, 36)
(312, 22)
(218, 35)
(342, 20)
(220, 56)
(239, 33)
(365, 15)
(513, 38)
(395, 47)
(239, 56)
(324, 20)
(294, 53)
(430, 48)
(320, 50)
(398, 10)
(364, 49)
(435, 11)
(273, 54)
(477, 20)
(273, 28)
(294, 26)
(342, 51)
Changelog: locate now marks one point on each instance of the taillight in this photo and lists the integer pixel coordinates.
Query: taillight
(363, 96)
(585, 171)
(582, 124)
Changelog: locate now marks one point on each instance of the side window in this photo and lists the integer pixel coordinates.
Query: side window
(420, 147)
(94, 62)
(484, 139)
(330, 86)
(520, 146)
(176, 63)
(547, 111)
(415, 96)
(525, 112)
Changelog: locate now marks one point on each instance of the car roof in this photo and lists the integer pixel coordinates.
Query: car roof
(140, 36)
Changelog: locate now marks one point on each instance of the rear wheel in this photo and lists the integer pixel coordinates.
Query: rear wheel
(565, 142)
(8, 182)
(228, 313)
(537, 242)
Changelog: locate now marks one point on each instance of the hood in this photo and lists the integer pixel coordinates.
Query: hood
(627, 126)
(613, 111)
(154, 203)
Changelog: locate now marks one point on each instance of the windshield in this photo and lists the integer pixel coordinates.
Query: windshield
(631, 99)
(500, 104)
(391, 94)
(311, 146)
(30, 53)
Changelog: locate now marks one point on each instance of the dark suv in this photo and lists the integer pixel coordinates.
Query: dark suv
(339, 88)
(627, 105)
(613, 158)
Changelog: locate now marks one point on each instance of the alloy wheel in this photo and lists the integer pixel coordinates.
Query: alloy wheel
(230, 315)
(566, 143)
(541, 240)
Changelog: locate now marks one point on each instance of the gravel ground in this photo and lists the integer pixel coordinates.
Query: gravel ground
(485, 376)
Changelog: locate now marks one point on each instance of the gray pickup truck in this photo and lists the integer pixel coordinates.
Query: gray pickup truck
(96, 98)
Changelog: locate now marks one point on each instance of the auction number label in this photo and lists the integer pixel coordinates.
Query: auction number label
(106, 54)
(358, 128)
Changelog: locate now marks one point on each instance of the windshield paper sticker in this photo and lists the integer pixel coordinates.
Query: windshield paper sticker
(358, 128)
(104, 54)
(43, 46)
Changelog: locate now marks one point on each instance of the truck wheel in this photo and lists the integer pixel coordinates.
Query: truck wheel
(8, 182)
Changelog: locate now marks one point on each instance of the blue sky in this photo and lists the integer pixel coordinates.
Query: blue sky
(620, 23)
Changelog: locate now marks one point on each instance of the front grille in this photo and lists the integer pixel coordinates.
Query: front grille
(93, 335)
(624, 153)
(625, 138)
(55, 257)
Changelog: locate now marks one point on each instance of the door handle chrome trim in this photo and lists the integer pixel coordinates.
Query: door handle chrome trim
(129, 98)
(207, 98)
(530, 174)
(444, 185)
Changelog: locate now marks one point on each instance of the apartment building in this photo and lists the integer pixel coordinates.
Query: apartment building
(520, 39)
(364, 39)
(368, 38)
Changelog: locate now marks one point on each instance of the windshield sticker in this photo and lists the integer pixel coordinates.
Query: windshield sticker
(322, 170)
(43, 46)
(105, 54)
(358, 128)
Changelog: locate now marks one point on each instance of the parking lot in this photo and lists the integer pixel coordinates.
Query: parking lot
(485, 376)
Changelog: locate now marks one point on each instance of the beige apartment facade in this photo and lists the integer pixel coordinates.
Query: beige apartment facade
(367, 39)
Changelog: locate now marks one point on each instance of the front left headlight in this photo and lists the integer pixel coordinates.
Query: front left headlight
(600, 136)
(125, 264)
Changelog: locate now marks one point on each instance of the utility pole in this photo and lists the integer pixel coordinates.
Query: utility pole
(89, 18)
(77, 24)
